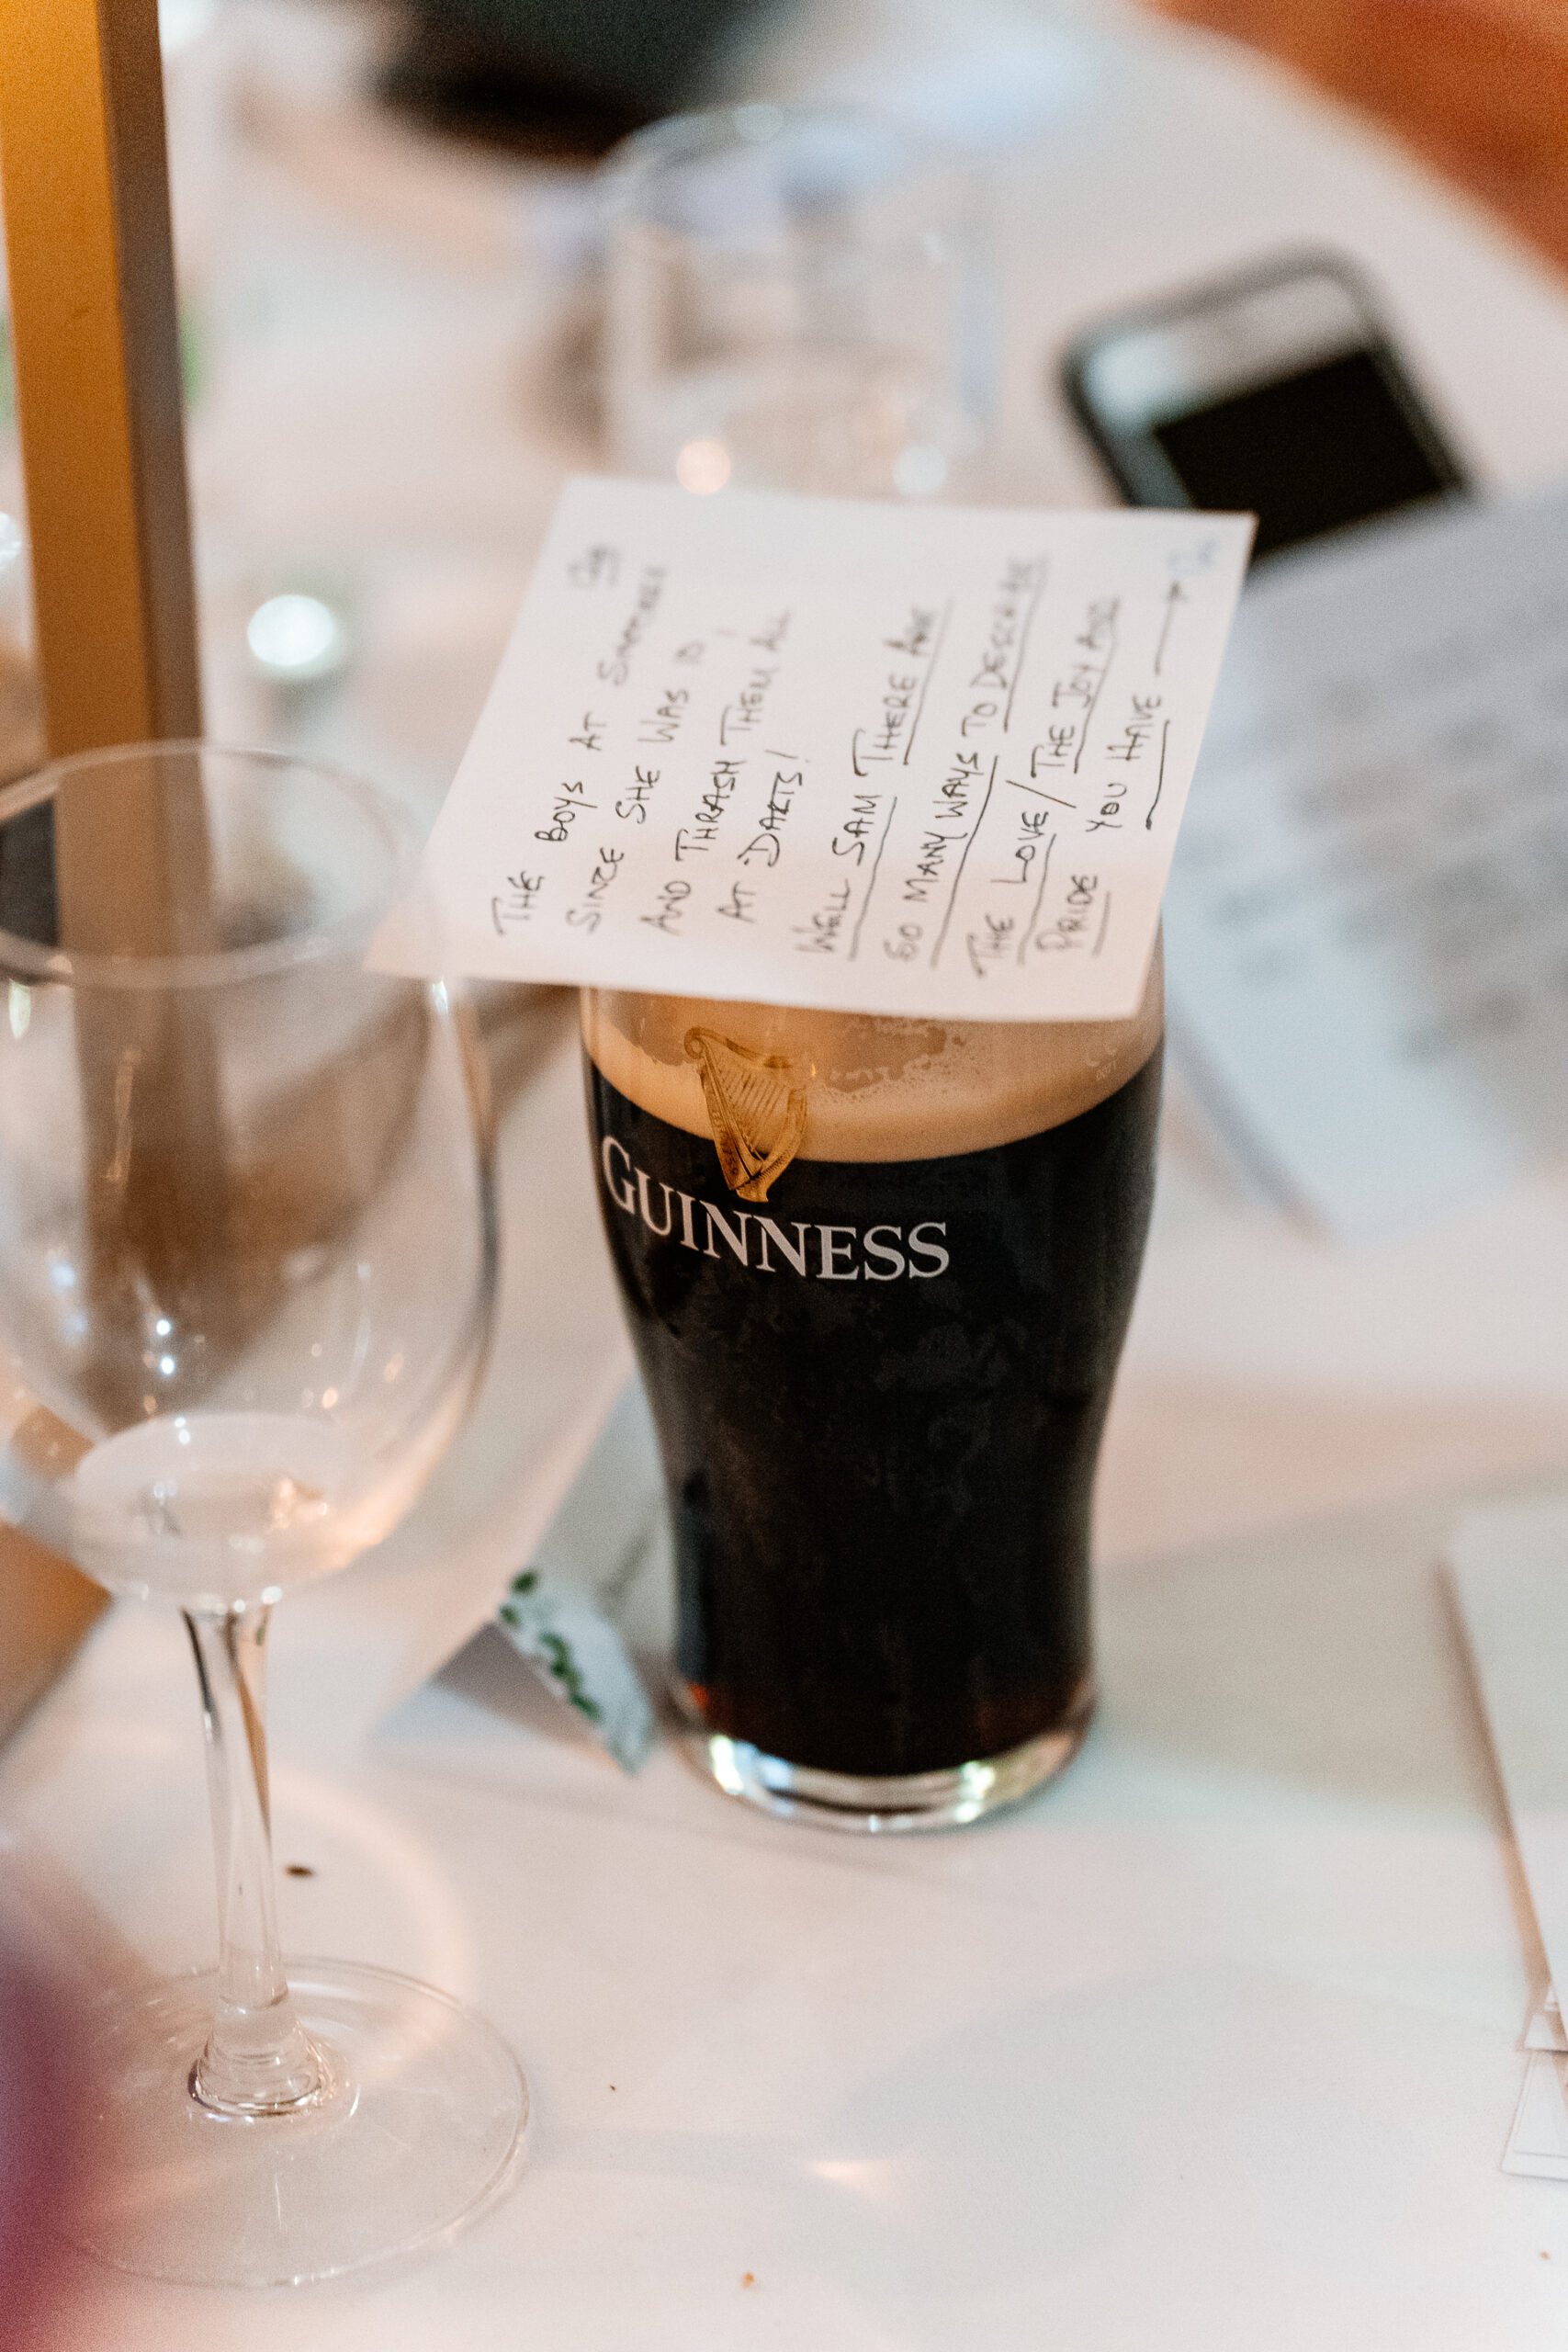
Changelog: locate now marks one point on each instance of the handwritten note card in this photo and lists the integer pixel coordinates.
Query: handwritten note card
(873, 758)
(1367, 927)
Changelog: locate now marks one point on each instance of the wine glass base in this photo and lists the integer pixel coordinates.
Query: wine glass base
(422, 2131)
(874, 1804)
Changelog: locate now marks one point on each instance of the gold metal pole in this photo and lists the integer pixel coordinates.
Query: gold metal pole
(83, 182)
(84, 188)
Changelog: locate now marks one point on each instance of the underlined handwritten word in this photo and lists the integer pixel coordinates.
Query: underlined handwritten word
(820, 935)
(991, 946)
(853, 836)
(883, 741)
(1011, 605)
(767, 841)
(915, 638)
(1075, 926)
(1034, 825)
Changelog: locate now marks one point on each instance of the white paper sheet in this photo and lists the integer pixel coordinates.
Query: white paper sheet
(894, 759)
(1366, 925)
(1508, 1570)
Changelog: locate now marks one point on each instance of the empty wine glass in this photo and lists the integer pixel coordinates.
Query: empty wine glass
(247, 1270)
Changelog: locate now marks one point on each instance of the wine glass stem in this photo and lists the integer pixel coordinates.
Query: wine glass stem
(258, 2059)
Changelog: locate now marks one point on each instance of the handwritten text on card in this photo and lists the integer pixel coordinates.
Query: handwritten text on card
(871, 757)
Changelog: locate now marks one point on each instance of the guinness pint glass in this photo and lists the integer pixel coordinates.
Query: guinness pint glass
(878, 1274)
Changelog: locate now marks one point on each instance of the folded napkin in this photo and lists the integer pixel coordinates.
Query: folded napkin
(597, 1591)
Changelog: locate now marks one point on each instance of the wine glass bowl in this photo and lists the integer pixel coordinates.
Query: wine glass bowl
(254, 1273)
(248, 1262)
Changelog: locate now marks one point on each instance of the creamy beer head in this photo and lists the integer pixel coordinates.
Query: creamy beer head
(871, 1087)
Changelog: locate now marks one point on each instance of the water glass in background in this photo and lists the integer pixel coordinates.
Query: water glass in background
(796, 301)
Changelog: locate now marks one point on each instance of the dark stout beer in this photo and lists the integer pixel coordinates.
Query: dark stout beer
(880, 1386)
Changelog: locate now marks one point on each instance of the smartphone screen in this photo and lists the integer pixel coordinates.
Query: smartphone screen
(1307, 454)
(1278, 392)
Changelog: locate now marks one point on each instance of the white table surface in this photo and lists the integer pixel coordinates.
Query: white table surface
(1215, 2043)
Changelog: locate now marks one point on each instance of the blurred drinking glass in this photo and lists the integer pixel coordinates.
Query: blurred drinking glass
(795, 300)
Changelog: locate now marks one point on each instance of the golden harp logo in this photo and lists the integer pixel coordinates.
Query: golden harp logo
(757, 1107)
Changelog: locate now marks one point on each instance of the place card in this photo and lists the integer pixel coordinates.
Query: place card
(881, 758)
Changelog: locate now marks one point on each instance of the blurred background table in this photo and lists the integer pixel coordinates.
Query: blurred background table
(1216, 2041)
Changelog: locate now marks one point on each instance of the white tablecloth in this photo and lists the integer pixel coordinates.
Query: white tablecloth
(1214, 2044)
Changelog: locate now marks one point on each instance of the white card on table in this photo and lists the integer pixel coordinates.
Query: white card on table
(1367, 941)
(872, 757)
(1508, 1569)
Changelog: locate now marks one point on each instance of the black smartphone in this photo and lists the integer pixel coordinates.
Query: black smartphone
(1277, 390)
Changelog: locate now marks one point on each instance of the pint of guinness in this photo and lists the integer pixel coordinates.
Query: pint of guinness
(878, 1274)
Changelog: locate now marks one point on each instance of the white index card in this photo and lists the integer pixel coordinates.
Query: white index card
(869, 757)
